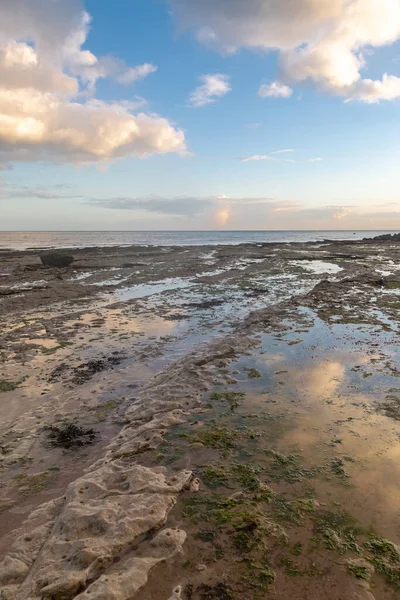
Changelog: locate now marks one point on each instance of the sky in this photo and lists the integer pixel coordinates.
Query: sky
(199, 114)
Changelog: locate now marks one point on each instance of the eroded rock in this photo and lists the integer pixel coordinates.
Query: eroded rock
(102, 514)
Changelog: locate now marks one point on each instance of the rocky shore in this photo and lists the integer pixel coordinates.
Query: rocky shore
(201, 423)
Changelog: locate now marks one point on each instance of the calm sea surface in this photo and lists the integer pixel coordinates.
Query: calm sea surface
(21, 240)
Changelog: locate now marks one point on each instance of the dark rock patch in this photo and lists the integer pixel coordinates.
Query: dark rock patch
(56, 259)
(69, 435)
(205, 304)
(85, 371)
(220, 591)
(255, 292)
(386, 237)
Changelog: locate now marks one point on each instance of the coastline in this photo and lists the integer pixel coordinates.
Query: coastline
(146, 346)
(68, 240)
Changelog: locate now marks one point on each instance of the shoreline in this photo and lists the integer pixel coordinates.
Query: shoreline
(253, 322)
(182, 238)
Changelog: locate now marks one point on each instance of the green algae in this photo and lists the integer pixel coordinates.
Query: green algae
(217, 437)
(60, 346)
(337, 531)
(247, 476)
(358, 571)
(262, 576)
(292, 570)
(9, 386)
(253, 373)
(214, 476)
(392, 284)
(233, 399)
(31, 484)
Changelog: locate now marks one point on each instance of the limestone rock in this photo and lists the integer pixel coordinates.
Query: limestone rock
(103, 513)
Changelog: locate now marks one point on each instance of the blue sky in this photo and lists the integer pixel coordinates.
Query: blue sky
(292, 127)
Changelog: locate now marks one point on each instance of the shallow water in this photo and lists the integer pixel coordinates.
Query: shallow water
(327, 382)
(312, 404)
(148, 289)
(317, 266)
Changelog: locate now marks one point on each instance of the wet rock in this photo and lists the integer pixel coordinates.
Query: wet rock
(220, 591)
(85, 371)
(386, 237)
(56, 259)
(205, 304)
(255, 292)
(390, 407)
(177, 317)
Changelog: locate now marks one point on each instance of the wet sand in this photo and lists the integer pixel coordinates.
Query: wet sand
(246, 407)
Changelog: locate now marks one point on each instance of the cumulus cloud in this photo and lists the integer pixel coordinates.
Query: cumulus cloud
(47, 85)
(213, 87)
(275, 90)
(323, 41)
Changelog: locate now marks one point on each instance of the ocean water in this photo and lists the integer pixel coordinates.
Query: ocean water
(21, 240)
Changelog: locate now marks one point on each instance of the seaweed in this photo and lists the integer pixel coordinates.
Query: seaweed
(232, 398)
(69, 435)
(8, 386)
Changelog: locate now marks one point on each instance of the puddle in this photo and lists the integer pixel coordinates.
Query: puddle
(327, 382)
(83, 275)
(27, 285)
(45, 342)
(208, 257)
(246, 262)
(297, 440)
(108, 282)
(149, 289)
(317, 266)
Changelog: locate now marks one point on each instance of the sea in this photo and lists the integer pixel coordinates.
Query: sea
(22, 240)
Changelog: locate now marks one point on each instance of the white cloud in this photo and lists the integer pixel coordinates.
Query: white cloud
(35, 125)
(20, 66)
(372, 91)
(213, 87)
(283, 151)
(253, 125)
(133, 74)
(271, 156)
(275, 90)
(256, 157)
(47, 82)
(324, 41)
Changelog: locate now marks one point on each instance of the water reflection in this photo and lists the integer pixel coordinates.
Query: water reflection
(325, 390)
